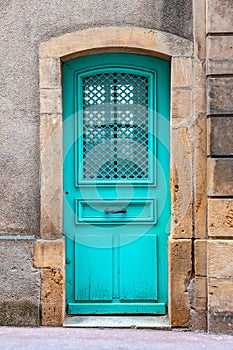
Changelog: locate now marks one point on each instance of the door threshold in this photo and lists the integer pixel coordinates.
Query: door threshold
(140, 322)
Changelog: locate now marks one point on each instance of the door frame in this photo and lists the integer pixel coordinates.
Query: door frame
(49, 253)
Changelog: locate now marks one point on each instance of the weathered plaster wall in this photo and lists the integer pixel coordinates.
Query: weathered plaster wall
(23, 26)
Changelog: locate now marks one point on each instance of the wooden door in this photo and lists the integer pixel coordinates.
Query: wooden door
(116, 183)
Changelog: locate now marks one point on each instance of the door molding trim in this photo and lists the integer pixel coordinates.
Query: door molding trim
(51, 243)
(79, 43)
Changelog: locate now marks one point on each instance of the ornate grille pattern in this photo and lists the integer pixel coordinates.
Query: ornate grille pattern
(115, 126)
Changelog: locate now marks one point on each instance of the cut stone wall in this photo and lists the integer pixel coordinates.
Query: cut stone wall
(208, 296)
(49, 256)
(194, 285)
(219, 44)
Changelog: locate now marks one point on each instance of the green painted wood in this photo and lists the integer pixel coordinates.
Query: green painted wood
(138, 267)
(94, 210)
(93, 269)
(116, 257)
(117, 308)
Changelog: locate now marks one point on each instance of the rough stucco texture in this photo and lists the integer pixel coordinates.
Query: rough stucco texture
(22, 281)
(23, 26)
(19, 284)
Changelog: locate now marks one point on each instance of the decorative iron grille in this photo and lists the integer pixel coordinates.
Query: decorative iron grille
(115, 126)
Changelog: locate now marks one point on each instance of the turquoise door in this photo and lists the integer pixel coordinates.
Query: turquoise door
(116, 183)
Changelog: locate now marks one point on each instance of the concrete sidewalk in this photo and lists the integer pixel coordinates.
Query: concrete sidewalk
(108, 339)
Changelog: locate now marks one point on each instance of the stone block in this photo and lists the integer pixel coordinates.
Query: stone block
(220, 95)
(219, 54)
(220, 217)
(50, 73)
(180, 261)
(53, 297)
(121, 37)
(181, 75)
(50, 101)
(220, 259)
(181, 226)
(51, 176)
(200, 302)
(220, 323)
(51, 222)
(220, 138)
(50, 131)
(19, 280)
(220, 295)
(199, 28)
(200, 256)
(219, 16)
(181, 183)
(181, 102)
(220, 177)
(198, 320)
(50, 254)
(199, 106)
(200, 176)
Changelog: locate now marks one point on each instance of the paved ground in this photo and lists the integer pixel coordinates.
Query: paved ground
(108, 339)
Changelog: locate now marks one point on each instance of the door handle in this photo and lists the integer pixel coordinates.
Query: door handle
(116, 211)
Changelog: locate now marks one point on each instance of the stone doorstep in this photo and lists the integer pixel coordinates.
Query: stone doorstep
(140, 322)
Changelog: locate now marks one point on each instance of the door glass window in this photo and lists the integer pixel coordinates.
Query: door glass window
(115, 126)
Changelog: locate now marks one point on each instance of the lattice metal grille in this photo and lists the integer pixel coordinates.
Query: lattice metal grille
(115, 126)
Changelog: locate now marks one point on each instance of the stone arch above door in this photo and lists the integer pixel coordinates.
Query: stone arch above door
(112, 39)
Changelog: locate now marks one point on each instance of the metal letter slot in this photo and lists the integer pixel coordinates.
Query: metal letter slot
(117, 211)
